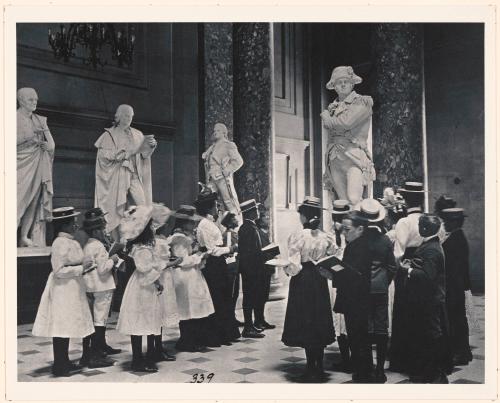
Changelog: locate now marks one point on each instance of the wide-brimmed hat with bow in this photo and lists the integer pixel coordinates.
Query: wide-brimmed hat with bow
(371, 210)
(187, 212)
(343, 72)
(94, 219)
(312, 201)
(134, 221)
(64, 212)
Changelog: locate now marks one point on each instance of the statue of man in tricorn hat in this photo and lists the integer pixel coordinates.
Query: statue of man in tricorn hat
(349, 165)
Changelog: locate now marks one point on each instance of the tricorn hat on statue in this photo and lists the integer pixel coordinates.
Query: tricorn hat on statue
(64, 212)
(340, 207)
(371, 210)
(249, 205)
(94, 219)
(343, 72)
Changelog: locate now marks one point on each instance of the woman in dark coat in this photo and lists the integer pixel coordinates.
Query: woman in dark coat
(456, 252)
(309, 320)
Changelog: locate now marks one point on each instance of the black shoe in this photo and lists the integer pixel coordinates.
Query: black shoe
(380, 376)
(100, 362)
(163, 356)
(144, 366)
(251, 332)
(84, 361)
(111, 351)
(264, 325)
(342, 366)
(189, 349)
(239, 323)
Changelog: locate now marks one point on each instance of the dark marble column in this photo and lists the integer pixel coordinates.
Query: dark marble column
(397, 112)
(218, 84)
(253, 110)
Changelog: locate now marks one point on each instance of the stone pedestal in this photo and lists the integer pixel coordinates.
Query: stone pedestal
(397, 111)
(33, 269)
(218, 85)
(253, 111)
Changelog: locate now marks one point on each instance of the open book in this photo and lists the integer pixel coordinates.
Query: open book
(328, 262)
(270, 251)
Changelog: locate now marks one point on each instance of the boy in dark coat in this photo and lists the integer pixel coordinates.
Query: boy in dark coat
(426, 305)
(456, 252)
(251, 265)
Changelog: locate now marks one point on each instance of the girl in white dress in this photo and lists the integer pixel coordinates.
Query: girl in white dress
(140, 312)
(64, 311)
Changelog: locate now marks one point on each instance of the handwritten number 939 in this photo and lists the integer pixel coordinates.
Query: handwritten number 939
(200, 378)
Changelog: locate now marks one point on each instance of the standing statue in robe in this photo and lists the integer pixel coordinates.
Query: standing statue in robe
(222, 160)
(35, 156)
(349, 165)
(123, 168)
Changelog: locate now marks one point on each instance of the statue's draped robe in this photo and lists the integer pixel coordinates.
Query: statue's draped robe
(34, 173)
(113, 174)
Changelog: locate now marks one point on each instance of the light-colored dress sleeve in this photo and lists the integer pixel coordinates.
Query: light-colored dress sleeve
(101, 258)
(210, 237)
(66, 260)
(295, 245)
(144, 264)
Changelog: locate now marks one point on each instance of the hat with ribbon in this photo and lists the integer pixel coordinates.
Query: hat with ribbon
(312, 201)
(187, 212)
(343, 72)
(94, 219)
(444, 202)
(454, 213)
(249, 205)
(340, 207)
(206, 196)
(412, 187)
(134, 221)
(371, 210)
(64, 212)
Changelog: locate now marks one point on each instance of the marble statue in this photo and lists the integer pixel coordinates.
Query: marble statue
(222, 160)
(349, 165)
(35, 156)
(123, 168)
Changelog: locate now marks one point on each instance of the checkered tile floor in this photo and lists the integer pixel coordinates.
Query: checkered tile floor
(264, 360)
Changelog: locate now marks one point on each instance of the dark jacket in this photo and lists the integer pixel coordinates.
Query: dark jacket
(384, 263)
(456, 252)
(250, 256)
(427, 285)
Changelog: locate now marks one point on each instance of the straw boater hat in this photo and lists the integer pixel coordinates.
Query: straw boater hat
(343, 72)
(371, 210)
(186, 212)
(249, 205)
(63, 212)
(412, 187)
(341, 207)
(134, 221)
(94, 219)
(452, 213)
(312, 201)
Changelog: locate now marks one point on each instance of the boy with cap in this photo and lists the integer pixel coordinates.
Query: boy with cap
(100, 285)
(251, 264)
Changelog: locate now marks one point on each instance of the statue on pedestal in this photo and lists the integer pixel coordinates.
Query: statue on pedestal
(222, 160)
(349, 165)
(35, 156)
(123, 168)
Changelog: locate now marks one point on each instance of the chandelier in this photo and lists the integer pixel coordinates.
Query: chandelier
(94, 39)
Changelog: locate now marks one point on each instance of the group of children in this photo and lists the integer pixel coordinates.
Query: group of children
(377, 243)
(182, 270)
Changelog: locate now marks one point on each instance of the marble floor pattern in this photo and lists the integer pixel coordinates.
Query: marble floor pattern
(264, 360)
